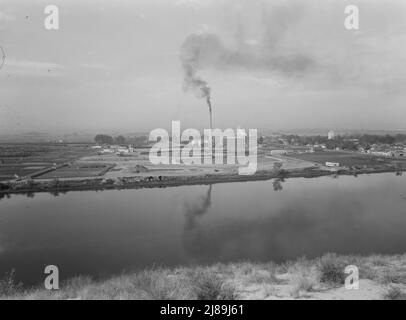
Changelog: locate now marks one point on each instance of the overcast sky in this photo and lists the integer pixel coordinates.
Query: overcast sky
(115, 65)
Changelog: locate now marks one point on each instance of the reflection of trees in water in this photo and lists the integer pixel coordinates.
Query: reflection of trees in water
(57, 193)
(194, 236)
(5, 195)
(277, 184)
(30, 195)
(398, 168)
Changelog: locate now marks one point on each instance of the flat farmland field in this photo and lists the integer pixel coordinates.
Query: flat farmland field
(23, 159)
(347, 159)
(76, 170)
(9, 171)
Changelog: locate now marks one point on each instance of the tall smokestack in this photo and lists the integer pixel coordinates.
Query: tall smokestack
(191, 52)
(211, 113)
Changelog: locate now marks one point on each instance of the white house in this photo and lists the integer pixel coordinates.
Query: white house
(278, 152)
(332, 164)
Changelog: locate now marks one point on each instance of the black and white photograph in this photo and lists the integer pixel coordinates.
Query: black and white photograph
(182, 151)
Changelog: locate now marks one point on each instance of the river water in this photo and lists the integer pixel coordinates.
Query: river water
(108, 232)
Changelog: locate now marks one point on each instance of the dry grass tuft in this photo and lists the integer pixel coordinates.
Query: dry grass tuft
(331, 268)
(394, 293)
(8, 285)
(298, 279)
(209, 286)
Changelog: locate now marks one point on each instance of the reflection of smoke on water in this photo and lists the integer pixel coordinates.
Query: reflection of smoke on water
(2, 57)
(197, 209)
(194, 235)
(283, 234)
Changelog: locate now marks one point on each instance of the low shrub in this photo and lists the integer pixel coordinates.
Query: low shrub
(208, 286)
(394, 293)
(9, 286)
(331, 269)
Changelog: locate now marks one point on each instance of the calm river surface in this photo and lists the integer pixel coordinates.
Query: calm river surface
(107, 232)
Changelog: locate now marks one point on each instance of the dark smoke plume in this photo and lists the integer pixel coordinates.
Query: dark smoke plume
(268, 53)
(193, 54)
(204, 50)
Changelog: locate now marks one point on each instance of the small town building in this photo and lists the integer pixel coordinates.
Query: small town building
(279, 152)
(332, 164)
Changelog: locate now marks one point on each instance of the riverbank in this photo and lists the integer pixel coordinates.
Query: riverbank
(381, 277)
(158, 181)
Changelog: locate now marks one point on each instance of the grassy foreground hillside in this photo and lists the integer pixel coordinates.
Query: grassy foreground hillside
(381, 277)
